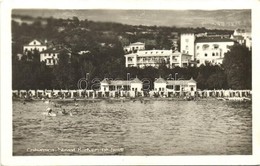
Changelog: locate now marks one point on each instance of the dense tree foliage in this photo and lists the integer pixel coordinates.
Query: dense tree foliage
(105, 57)
(238, 67)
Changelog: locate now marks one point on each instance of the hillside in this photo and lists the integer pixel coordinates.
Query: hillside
(211, 19)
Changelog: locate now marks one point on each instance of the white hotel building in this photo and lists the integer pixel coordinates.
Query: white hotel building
(212, 50)
(205, 49)
(154, 58)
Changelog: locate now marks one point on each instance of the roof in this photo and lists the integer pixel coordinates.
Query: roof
(105, 80)
(55, 50)
(240, 30)
(120, 82)
(239, 37)
(42, 43)
(212, 39)
(137, 43)
(160, 80)
(179, 82)
(136, 80)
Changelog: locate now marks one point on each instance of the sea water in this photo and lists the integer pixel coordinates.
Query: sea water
(206, 127)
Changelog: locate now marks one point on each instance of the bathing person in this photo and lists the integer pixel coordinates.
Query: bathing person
(49, 110)
(64, 112)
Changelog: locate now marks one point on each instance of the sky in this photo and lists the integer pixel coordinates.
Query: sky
(220, 19)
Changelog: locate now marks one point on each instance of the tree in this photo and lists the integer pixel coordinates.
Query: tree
(238, 67)
(64, 73)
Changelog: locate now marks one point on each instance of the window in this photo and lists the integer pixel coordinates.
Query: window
(198, 47)
(162, 52)
(216, 46)
(205, 46)
(213, 54)
(34, 42)
(187, 47)
(206, 54)
(162, 89)
(145, 52)
(159, 89)
(216, 53)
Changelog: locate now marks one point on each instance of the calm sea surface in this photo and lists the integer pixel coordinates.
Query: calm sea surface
(134, 128)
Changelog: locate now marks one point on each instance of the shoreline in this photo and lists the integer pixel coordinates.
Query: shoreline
(127, 99)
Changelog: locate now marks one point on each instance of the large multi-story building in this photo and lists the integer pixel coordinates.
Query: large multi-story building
(205, 49)
(155, 58)
(211, 49)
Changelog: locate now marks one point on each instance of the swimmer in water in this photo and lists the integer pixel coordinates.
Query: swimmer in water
(49, 110)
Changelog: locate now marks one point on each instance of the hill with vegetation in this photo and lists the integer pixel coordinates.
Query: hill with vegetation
(104, 42)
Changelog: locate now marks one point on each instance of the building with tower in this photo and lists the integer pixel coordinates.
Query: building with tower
(205, 49)
(187, 44)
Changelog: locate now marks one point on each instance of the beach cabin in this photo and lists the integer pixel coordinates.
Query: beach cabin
(182, 87)
(116, 88)
(160, 86)
(177, 87)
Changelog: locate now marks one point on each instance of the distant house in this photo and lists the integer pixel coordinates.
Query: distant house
(242, 37)
(51, 55)
(239, 39)
(35, 45)
(133, 47)
(83, 52)
(239, 32)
